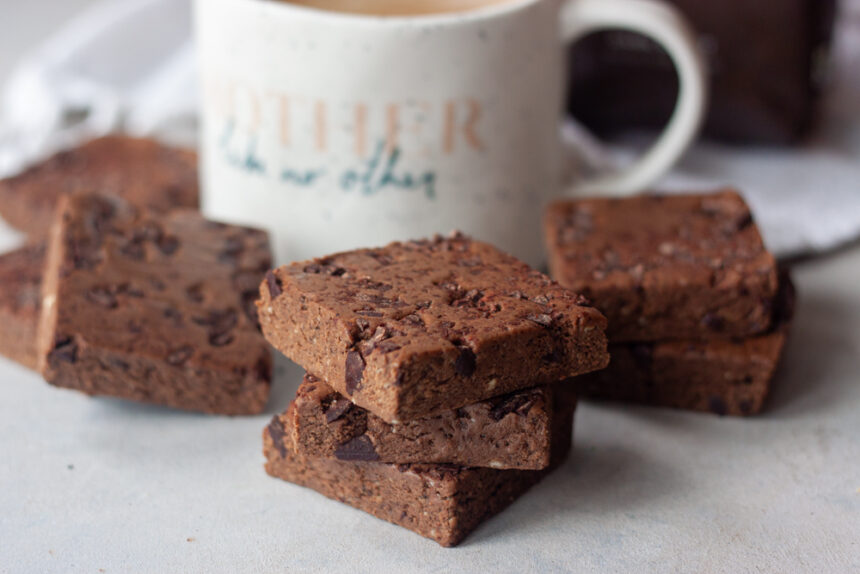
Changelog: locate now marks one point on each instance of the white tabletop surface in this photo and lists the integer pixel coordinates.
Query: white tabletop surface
(98, 485)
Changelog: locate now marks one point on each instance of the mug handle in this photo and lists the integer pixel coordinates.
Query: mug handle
(665, 25)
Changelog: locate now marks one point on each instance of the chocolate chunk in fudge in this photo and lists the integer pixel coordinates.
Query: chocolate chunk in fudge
(665, 267)
(20, 302)
(416, 328)
(154, 307)
(141, 171)
(511, 431)
(723, 377)
(439, 501)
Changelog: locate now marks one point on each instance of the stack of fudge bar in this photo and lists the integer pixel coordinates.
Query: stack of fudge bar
(436, 391)
(125, 289)
(698, 311)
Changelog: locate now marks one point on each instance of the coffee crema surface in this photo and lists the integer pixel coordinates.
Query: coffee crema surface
(397, 7)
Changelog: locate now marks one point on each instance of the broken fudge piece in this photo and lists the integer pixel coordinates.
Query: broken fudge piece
(154, 308)
(142, 171)
(416, 328)
(724, 377)
(438, 501)
(511, 431)
(665, 267)
(20, 301)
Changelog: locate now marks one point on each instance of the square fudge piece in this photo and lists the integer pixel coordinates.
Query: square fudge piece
(141, 171)
(723, 377)
(154, 308)
(665, 267)
(413, 329)
(438, 501)
(20, 302)
(511, 431)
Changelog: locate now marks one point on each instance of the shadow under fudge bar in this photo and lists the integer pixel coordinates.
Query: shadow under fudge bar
(141, 171)
(665, 267)
(154, 308)
(511, 431)
(20, 301)
(720, 376)
(412, 329)
(438, 501)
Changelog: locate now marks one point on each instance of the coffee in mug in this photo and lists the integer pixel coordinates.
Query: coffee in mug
(396, 7)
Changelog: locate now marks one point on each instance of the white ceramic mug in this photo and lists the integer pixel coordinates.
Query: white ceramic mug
(335, 130)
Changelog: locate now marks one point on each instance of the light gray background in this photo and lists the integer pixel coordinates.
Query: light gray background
(96, 485)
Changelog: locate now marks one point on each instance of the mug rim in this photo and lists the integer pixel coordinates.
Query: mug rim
(483, 13)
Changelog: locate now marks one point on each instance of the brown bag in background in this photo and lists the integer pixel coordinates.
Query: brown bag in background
(768, 63)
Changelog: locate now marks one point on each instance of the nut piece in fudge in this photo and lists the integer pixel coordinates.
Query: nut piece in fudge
(154, 308)
(665, 267)
(413, 329)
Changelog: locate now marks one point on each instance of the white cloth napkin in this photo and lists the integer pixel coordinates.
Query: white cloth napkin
(129, 65)
(120, 65)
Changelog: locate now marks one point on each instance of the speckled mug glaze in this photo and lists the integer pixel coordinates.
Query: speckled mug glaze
(335, 131)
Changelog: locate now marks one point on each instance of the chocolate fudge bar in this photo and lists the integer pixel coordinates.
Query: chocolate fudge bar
(154, 308)
(721, 377)
(438, 501)
(413, 329)
(665, 267)
(511, 431)
(141, 171)
(20, 284)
